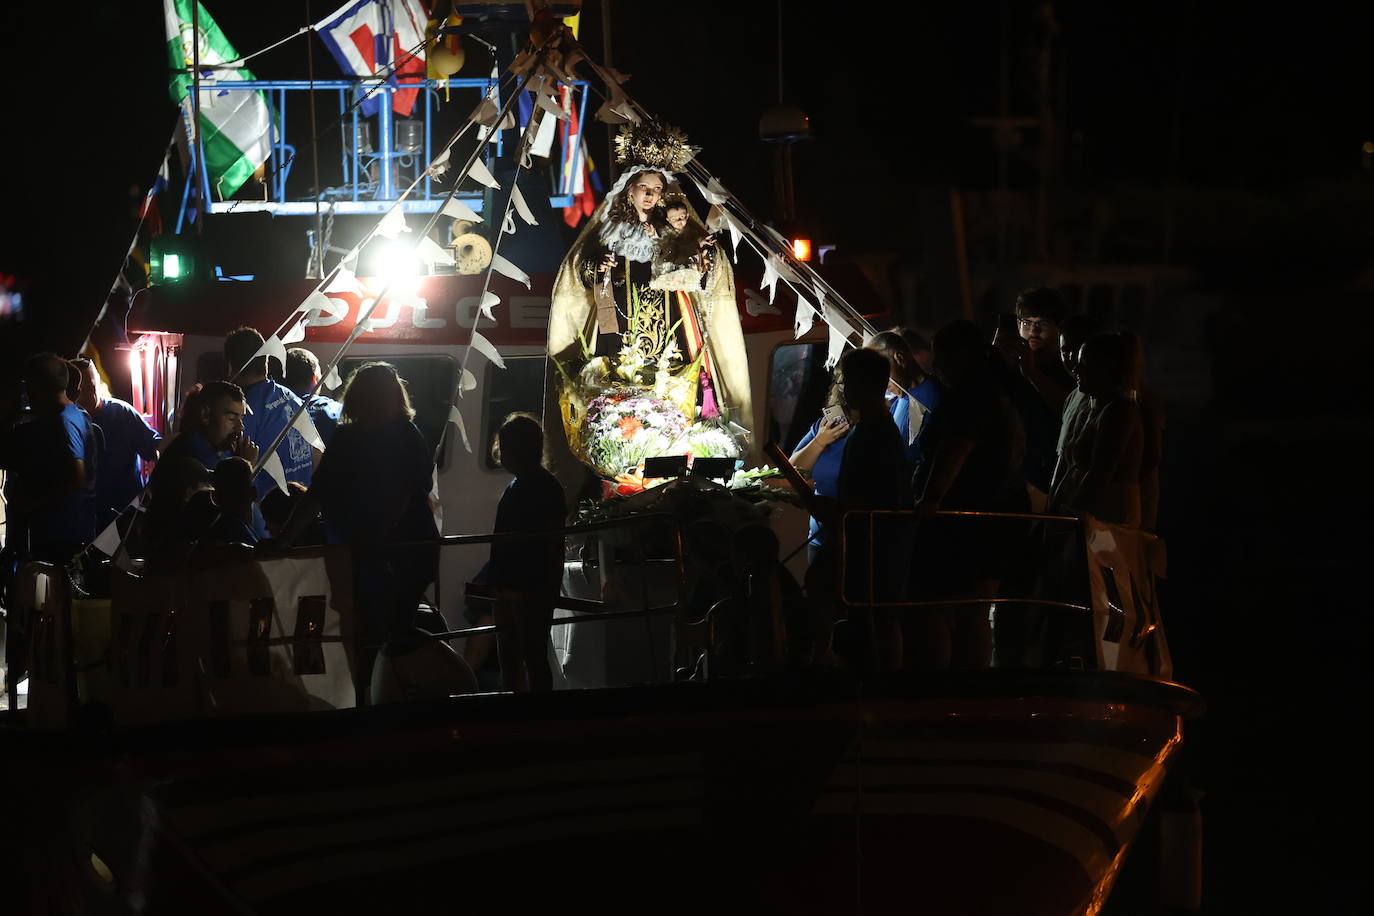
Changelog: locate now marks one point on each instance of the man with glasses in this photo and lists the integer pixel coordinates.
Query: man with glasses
(1036, 381)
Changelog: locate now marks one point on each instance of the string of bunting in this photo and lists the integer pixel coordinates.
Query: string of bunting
(364, 319)
(728, 213)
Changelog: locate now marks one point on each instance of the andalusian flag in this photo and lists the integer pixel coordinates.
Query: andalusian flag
(235, 125)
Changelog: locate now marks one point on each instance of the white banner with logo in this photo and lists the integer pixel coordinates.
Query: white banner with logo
(1124, 569)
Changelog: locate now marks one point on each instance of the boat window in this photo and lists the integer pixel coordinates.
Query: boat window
(430, 381)
(798, 383)
(517, 388)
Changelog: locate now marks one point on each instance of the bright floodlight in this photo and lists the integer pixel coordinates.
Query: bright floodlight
(399, 267)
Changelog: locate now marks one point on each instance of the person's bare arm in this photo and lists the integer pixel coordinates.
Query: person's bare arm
(805, 458)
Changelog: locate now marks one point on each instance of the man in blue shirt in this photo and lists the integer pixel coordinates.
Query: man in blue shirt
(59, 467)
(270, 409)
(302, 377)
(129, 441)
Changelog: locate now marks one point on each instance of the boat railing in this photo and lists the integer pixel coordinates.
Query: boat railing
(1100, 578)
(378, 152)
(254, 631)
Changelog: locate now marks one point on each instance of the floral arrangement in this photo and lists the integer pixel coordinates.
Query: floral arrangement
(623, 428)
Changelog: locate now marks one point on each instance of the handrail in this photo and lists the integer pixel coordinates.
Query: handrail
(357, 198)
(937, 602)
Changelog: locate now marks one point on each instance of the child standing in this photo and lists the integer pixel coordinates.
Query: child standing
(526, 573)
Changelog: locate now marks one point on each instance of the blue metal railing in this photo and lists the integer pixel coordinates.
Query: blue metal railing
(368, 179)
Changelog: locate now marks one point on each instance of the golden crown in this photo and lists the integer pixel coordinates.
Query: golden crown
(653, 145)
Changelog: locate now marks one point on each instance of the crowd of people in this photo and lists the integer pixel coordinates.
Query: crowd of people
(74, 462)
(1050, 416)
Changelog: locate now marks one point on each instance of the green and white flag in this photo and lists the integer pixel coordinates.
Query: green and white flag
(235, 125)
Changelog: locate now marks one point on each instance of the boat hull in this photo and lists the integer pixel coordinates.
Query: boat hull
(972, 792)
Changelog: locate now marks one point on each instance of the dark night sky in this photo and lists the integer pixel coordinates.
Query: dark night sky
(1265, 103)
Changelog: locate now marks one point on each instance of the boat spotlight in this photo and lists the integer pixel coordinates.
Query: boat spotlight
(398, 265)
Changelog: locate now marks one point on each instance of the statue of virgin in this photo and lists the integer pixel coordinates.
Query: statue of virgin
(647, 357)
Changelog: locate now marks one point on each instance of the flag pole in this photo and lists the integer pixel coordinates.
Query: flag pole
(195, 109)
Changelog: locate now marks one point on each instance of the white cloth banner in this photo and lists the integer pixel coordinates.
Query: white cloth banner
(1124, 568)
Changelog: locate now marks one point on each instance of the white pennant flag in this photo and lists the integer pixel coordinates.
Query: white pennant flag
(836, 347)
(364, 326)
(469, 381)
(521, 207)
(522, 63)
(607, 114)
(331, 379)
(108, 541)
(715, 218)
(296, 334)
(480, 174)
(485, 113)
(274, 470)
(734, 236)
(915, 418)
(485, 347)
(508, 226)
(543, 138)
(432, 253)
(552, 107)
(770, 276)
(273, 348)
(458, 210)
(713, 191)
(502, 266)
(455, 416)
(306, 427)
(315, 304)
(393, 224)
(489, 301)
(806, 316)
(839, 334)
(439, 166)
(344, 282)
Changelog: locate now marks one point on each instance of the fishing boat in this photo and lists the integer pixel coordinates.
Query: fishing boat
(196, 741)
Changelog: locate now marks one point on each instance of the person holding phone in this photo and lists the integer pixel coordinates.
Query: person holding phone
(818, 456)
